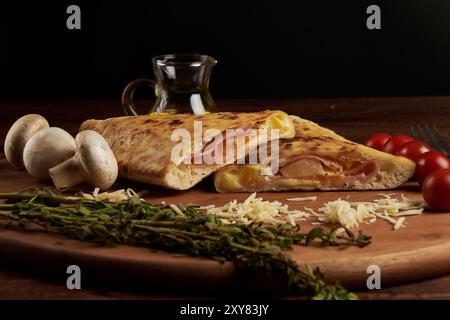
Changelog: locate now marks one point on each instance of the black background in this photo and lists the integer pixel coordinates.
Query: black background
(264, 48)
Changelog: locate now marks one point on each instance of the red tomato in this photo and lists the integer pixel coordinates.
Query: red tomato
(436, 189)
(396, 142)
(430, 162)
(413, 150)
(378, 140)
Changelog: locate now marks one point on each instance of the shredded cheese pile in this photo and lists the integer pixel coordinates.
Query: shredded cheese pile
(313, 198)
(351, 214)
(115, 196)
(255, 209)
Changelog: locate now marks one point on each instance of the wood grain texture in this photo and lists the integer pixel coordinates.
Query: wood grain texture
(419, 251)
(354, 118)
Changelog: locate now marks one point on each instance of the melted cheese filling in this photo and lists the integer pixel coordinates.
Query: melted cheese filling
(306, 173)
(302, 168)
(281, 121)
(278, 120)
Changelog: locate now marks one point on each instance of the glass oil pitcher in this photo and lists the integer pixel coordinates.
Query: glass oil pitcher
(181, 86)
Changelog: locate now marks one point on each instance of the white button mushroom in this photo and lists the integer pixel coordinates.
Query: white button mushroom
(94, 163)
(18, 135)
(46, 149)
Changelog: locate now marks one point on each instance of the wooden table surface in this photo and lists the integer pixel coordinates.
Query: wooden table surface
(355, 118)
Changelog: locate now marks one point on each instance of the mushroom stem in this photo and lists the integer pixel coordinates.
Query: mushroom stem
(94, 162)
(46, 149)
(66, 174)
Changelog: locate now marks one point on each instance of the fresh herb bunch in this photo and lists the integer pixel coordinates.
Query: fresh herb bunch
(187, 230)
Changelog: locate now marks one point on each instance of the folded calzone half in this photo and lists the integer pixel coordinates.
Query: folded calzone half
(144, 145)
(318, 158)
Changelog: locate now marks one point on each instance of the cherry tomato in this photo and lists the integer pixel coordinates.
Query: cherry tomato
(378, 140)
(413, 150)
(430, 162)
(436, 189)
(396, 142)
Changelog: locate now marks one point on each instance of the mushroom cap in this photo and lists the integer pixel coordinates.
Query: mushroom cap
(46, 149)
(18, 135)
(95, 157)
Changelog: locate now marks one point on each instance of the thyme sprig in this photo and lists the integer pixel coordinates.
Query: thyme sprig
(136, 222)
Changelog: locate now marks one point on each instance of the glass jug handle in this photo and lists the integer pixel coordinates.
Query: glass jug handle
(127, 94)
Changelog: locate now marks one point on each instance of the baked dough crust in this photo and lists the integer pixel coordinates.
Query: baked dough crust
(143, 146)
(314, 140)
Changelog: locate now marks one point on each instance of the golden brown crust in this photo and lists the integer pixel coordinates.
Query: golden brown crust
(143, 146)
(314, 140)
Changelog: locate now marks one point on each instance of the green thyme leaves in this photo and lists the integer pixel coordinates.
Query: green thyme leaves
(253, 247)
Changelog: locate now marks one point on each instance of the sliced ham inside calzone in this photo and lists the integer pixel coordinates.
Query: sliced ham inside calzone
(144, 146)
(318, 158)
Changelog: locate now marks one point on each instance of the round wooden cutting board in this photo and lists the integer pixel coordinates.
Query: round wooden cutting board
(420, 250)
